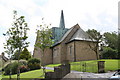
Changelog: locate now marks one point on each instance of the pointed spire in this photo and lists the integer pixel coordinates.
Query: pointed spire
(62, 23)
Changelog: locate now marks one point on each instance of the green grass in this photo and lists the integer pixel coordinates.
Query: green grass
(53, 65)
(110, 64)
(91, 66)
(31, 74)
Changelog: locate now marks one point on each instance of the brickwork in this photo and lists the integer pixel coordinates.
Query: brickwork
(83, 51)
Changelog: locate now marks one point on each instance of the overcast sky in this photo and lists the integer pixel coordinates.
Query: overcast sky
(89, 14)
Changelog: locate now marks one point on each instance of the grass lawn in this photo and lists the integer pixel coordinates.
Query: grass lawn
(91, 66)
(53, 65)
(31, 74)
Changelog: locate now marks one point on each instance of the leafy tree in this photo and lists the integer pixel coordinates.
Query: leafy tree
(8, 46)
(96, 38)
(18, 33)
(109, 53)
(15, 55)
(118, 46)
(111, 39)
(44, 40)
(25, 54)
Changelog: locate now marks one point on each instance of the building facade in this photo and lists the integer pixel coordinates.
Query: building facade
(70, 44)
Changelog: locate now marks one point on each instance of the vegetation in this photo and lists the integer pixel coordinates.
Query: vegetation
(91, 66)
(18, 36)
(111, 39)
(23, 65)
(44, 40)
(25, 54)
(110, 48)
(31, 74)
(14, 66)
(109, 53)
(106, 43)
(34, 64)
(96, 38)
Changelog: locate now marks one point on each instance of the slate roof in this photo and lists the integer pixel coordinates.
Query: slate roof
(4, 58)
(81, 35)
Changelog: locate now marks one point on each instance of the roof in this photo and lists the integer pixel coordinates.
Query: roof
(81, 35)
(78, 35)
(4, 58)
(65, 35)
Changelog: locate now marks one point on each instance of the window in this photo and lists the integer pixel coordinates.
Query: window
(70, 50)
(55, 52)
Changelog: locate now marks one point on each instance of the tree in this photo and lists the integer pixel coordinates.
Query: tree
(25, 54)
(18, 33)
(8, 46)
(111, 39)
(118, 46)
(109, 53)
(96, 38)
(15, 55)
(44, 40)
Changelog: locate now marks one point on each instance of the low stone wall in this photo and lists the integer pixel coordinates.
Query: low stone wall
(59, 72)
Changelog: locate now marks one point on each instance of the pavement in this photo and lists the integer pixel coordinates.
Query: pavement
(77, 74)
(88, 75)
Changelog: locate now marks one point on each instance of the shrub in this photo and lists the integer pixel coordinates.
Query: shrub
(14, 67)
(34, 64)
(109, 53)
(23, 68)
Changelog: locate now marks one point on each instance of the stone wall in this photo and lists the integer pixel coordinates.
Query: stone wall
(47, 59)
(66, 39)
(70, 52)
(57, 54)
(83, 51)
(59, 72)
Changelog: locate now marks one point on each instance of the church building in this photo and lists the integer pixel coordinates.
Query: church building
(70, 44)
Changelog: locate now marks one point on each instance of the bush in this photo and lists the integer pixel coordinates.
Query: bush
(34, 64)
(14, 67)
(109, 53)
(24, 68)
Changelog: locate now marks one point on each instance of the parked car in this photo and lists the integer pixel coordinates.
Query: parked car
(116, 76)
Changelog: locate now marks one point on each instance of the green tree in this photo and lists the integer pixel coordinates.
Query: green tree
(118, 46)
(44, 40)
(96, 38)
(109, 53)
(18, 33)
(111, 39)
(25, 54)
(8, 46)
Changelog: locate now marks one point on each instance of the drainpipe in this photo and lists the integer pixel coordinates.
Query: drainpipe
(74, 52)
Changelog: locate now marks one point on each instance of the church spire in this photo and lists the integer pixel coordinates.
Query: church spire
(62, 23)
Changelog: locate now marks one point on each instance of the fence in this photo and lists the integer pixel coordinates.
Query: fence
(88, 66)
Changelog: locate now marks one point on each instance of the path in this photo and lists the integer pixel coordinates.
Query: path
(77, 74)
